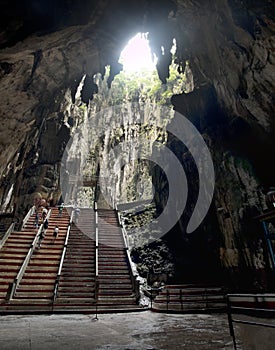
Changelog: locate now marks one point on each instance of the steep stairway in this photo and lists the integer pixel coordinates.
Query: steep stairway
(77, 281)
(13, 254)
(114, 275)
(85, 284)
(190, 299)
(35, 291)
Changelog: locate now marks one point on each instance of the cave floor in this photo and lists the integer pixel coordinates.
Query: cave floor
(139, 330)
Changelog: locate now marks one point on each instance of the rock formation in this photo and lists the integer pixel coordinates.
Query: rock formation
(50, 53)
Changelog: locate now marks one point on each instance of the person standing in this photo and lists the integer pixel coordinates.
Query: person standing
(43, 232)
(76, 214)
(44, 214)
(55, 233)
(60, 208)
(36, 220)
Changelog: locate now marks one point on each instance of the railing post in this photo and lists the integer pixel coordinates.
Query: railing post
(206, 298)
(96, 240)
(96, 297)
(181, 301)
(230, 322)
(96, 260)
(167, 299)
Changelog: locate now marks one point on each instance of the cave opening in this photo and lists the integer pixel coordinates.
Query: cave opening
(125, 127)
(134, 105)
(137, 55)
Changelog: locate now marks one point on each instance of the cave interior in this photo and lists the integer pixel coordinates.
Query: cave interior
(50, 54)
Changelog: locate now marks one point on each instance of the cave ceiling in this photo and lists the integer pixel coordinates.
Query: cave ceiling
(47, 46)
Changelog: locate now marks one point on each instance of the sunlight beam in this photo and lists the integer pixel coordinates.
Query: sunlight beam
(137, 55)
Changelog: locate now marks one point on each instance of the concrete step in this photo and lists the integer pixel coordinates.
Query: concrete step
(11, 262)
(46, 269)
(32, 289)
(116, 301)
(13, 255)
(34, 302)
(40, 274)
(33, 295)
(6, 279)
(77, 294)
(11, 268)
(15, 250)
(71, 280)
(114, 293)
(119, 278)
(43, 263)
(38, 281)
(116, 270)
(79, 263)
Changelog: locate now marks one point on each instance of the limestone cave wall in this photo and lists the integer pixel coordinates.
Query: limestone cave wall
(229, 47)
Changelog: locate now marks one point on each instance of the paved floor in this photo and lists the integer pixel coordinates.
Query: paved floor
(143, 331)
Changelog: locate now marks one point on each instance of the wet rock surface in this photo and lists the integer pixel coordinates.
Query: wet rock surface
(144, 331)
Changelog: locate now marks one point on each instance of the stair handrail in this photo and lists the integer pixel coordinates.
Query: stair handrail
(124, 232)
(96, 257)
(57, 280)
(28, 215)
(19, 276)
(135, 282)
(96, 239)
(126, 247)
(7, 234)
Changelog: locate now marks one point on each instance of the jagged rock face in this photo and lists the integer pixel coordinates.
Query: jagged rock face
(229, 47)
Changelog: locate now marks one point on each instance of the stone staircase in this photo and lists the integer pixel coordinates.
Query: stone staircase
(86, 284)
(12, 256)
(35, 291)
(83, 284)
(77, 282)
(116, 290)
(190, 299)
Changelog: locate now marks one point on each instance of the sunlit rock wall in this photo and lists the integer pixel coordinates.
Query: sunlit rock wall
(229, 46)
(117, 141)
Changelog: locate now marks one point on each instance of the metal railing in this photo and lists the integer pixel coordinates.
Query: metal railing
(14, 285)
(96, 240)
(29, 214)
(57, 280)
(206, 299)
(96, 258)
(135, 282)
(258, 300)
(7, 234)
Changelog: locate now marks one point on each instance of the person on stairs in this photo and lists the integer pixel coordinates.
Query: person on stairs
(36, 220)
(55, 233)
(76, 214)
(43, 232)
(60, 209)
(44, 213)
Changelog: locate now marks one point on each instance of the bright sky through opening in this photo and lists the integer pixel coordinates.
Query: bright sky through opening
(137, 56)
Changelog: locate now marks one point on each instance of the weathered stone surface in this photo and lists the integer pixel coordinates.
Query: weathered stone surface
(229, 46)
